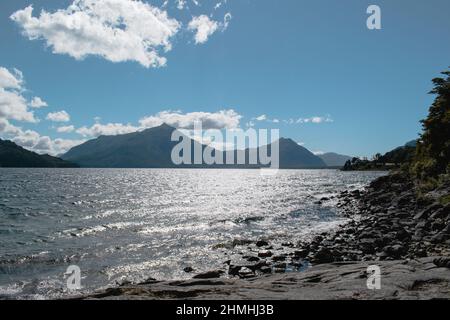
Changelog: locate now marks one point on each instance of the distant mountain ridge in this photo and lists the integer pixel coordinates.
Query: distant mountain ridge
(332, 159)
(14, 156)
(152, 148)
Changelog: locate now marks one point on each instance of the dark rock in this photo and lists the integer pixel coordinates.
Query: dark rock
(252, 259)
(279, 258)
(266, 269)
(443, 262)
(209, 274)
(323, 255)
(264, 253)
(188, 269)
(261, 243)
(425, 213)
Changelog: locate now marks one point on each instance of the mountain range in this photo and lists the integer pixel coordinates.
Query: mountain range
(12, 155)
(151, 148)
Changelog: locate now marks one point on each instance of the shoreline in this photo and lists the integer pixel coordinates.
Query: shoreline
(407, 236)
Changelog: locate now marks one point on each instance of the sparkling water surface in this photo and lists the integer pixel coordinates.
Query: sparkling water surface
(133, 224)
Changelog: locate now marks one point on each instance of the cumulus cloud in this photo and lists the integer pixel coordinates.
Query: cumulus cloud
(261, 117)
(117, 30)
(203, 27)
(10, 80)
(224, 119)
(33, 141)
(109, 129)
(13, 104)
(37, 103)
(59, 116)
(65, 129)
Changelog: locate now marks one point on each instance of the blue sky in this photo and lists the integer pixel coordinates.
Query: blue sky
(293, 59)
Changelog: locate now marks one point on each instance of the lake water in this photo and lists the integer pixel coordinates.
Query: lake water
(126, 224)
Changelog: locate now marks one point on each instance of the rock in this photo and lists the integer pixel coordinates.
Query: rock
(279, 258)
(323, 255)
(234, 270)
(252, 259)
(427, 211)
(266, 269)
(262, 243)
(264, 253)
(188, 269)
(442, 262)
(394, 251)
(209, 274)
(288, 244)
(440, 213)
(246, 273)
(281, 265)
(302, 253)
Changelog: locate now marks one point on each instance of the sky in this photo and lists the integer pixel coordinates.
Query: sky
(75, 69)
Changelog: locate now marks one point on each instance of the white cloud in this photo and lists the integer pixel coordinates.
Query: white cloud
(203, 28)
(224, 119)
(109, 129)
(261, 117)
(8, 128)
(33, 141)
(38, 103)
(10, 80)
(65, 129)
(59, 116)
(314, 120)
(117, 30)
(13, 104)
(181, 4)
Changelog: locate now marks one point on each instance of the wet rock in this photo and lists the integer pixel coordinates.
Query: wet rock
(266, 269)
(188, 269)
(323, 255)
(279, 258)
(264, 253)
(234, 270)
(252, 258)
(288, 244)
(281, 265)
(246, 273)
(209, 274)
(262, 243)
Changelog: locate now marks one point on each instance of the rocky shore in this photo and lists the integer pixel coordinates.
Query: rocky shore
(407, 235)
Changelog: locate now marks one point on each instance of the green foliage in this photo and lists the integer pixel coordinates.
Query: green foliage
(433, 149)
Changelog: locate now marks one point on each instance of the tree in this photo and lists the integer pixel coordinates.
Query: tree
(433, 148)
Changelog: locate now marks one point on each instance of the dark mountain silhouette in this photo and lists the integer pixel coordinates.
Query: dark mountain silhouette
(332, 159)
(152, 148)
(14, 156)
